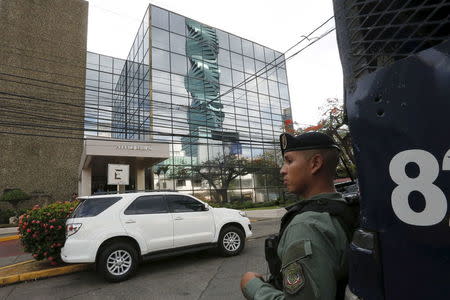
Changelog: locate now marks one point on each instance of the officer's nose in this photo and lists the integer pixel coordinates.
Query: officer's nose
(283, 170)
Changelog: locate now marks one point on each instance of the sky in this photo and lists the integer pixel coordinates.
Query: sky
(314, 75)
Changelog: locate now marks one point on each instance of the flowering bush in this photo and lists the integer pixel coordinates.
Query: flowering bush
(42, 230)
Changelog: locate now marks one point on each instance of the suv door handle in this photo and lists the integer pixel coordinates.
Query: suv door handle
(178, 218)
(130, 221)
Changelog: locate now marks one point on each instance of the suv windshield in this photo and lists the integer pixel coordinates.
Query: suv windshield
(94, 206)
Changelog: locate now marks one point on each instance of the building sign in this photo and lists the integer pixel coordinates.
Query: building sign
(118, 174)
(133, 147)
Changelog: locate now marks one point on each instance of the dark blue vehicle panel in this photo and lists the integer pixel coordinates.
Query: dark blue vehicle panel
(398, 119)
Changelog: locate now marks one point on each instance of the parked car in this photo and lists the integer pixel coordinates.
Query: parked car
(118, 231)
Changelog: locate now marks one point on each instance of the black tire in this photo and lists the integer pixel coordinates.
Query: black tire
(231, 241)
(110, 257)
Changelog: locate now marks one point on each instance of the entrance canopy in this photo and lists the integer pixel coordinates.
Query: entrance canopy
(98, 153)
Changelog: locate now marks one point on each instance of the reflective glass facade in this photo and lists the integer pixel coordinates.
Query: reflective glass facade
(176, 87)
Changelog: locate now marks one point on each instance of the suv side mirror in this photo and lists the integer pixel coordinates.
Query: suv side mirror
(205, 207)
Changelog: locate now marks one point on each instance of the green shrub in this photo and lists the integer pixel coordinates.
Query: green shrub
(42, 230)
(8, 213)
(14, 196)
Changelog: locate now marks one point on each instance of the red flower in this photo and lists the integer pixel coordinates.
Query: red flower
(28, 230)
(35, 255)
(53, 263)
(51, 226)
(50, 258)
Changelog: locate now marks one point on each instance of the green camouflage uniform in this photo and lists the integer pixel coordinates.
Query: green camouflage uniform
(312, 250)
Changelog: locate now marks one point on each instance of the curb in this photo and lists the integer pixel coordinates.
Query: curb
(17, 264)
(9, 238)
(34, 275)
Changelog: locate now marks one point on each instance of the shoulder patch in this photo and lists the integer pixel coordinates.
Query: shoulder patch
(293, 278)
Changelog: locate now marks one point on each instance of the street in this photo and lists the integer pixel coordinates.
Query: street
(202, 275)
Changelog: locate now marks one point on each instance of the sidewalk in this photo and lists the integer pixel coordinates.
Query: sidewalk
(266, 213)
(8, 231)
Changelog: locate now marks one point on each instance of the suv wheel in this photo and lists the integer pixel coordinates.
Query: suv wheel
(231, 241)
(118, 262)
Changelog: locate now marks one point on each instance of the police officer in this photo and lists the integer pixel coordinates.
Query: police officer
(307, 259)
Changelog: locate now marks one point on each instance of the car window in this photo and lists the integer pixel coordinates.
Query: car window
(179, 203)
(147, 205)
(94, 206)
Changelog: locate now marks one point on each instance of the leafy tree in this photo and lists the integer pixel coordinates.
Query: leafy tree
(14, 197)
(333, 124)
(269, 163)
(221, 171)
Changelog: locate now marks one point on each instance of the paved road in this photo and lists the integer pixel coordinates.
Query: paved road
(202, 275)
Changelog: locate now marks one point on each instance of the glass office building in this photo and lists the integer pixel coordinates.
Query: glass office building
(194, 87)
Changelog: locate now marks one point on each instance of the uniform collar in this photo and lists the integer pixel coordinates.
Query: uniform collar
(326, 196)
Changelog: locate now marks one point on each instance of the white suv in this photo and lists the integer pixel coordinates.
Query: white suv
(117, 231)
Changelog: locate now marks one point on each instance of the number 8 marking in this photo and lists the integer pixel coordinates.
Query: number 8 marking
(435, 200)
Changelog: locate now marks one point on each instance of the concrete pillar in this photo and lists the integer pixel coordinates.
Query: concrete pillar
(140, 178)
(86, 181)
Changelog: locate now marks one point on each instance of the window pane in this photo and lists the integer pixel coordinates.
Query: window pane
(160, 38)
(147, 205)
(259, 52)
(177, 24)
(284, 93)
(249, 65)
(92, 60)
(273, 88)
(236, 62)
(178, 63)
(224, 58)
(270, 55)
(247, 48)
(282, 75)
(225, 76)
(223, 39)
(235, 44)
(179, 203)
(238, 77)
(160, 59)
(160, 18)
(178, 44)
(94, 206)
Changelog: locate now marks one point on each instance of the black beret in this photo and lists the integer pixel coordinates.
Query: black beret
(306, 141)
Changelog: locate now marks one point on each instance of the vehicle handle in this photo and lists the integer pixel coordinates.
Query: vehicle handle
(178, 218)
(130, 221)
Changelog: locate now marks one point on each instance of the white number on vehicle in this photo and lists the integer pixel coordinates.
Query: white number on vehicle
(435, 200)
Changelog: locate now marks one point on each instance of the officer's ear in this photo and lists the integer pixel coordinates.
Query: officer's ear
(316, 163)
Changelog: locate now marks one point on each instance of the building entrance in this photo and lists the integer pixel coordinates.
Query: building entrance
(98, 153)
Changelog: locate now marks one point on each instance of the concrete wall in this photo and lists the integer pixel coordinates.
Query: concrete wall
(42, 78)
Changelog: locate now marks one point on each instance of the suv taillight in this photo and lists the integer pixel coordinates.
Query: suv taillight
(72, 228)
